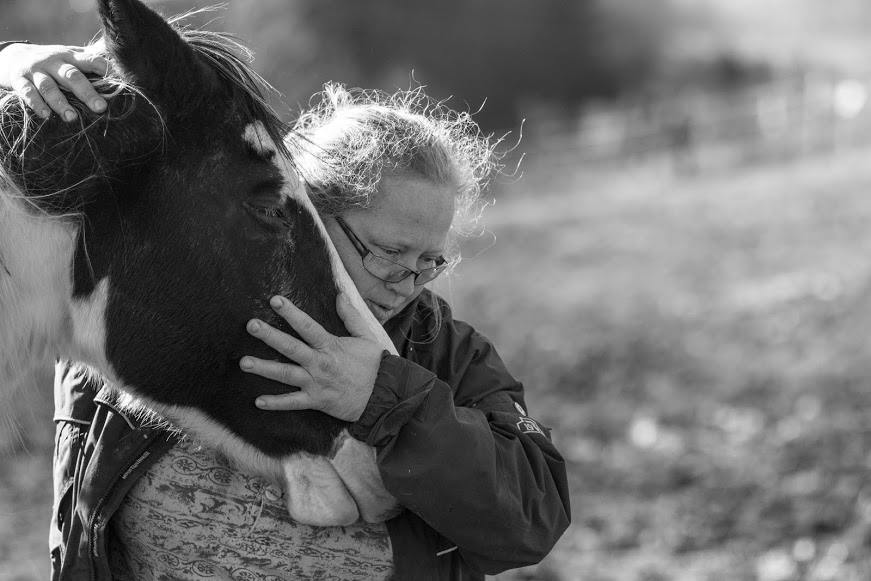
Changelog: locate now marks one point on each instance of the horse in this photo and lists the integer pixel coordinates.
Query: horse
(141, 240)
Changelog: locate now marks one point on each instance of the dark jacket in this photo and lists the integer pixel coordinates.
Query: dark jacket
(485, 488)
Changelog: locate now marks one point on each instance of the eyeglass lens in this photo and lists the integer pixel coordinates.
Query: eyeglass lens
(392, 272)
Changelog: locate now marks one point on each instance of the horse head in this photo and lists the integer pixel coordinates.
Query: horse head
(141, 240)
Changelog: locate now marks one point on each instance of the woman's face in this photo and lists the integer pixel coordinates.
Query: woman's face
(408, 222)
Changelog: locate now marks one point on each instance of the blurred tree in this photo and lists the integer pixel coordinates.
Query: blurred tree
(56, 21)
(507, 53)
(504, 52)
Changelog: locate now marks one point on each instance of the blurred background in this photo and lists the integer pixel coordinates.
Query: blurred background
(678, 268)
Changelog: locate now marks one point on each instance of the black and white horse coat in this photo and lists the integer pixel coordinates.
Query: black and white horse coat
(141, 240)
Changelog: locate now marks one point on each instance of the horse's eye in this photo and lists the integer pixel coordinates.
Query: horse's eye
(269, 213)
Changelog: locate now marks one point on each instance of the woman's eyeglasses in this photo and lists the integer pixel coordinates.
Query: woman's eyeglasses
(389, 270)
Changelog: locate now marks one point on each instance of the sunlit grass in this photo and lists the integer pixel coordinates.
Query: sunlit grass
(699, 344)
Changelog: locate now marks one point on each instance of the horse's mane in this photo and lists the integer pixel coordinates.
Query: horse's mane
(231, 59)
(20, 127)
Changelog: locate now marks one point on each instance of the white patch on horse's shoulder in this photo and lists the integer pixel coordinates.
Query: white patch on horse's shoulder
(258, 138)
(35, 285)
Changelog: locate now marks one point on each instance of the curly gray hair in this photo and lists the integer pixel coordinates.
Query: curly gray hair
(349, 138)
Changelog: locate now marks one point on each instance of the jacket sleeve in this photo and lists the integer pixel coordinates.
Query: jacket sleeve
(74, 390)
(457, 448)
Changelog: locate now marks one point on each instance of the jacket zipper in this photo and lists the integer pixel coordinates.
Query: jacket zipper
(97, 522)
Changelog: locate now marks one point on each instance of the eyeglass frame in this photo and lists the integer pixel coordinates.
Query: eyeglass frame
(441, 262)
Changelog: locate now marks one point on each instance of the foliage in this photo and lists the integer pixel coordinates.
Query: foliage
(504, 52)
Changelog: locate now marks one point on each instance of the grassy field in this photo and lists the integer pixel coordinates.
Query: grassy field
(698, 345)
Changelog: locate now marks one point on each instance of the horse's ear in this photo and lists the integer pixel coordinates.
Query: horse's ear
(152, 55)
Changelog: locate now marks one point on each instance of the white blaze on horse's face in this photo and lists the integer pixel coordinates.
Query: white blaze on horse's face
(346, 486)
(256, 136)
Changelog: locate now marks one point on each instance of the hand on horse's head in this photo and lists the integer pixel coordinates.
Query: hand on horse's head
(334, 374)
(36, 73)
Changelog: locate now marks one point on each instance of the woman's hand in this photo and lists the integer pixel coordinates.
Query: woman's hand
(36, 72)
(334, 375)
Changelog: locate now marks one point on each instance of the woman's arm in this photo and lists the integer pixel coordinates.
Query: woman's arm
(455, 444)
(37, 73)
(462, 454)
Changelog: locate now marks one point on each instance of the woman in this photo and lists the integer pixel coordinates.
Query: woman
(395, 179)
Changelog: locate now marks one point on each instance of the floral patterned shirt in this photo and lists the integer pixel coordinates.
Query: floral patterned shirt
(193, 516)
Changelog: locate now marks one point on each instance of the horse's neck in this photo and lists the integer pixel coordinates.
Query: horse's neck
(35, 286)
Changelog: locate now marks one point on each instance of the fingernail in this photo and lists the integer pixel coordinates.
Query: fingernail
(44, 113)
(276, 302)
(246, 363)
(261, 403)
(99, 105)
(253, 326)
(70, 115)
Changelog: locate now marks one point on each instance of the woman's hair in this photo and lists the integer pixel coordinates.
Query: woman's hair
(349, 138)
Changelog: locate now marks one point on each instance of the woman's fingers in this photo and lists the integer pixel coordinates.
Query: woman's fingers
(289, 346)
(335, 374)
(30, 94)
(297, 400)
(52, 95)
(74, 80)
(38, 73)
(90, 63)
(310, 331)
(285, 373)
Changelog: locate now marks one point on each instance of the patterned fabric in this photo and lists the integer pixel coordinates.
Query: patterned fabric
(192, 516)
